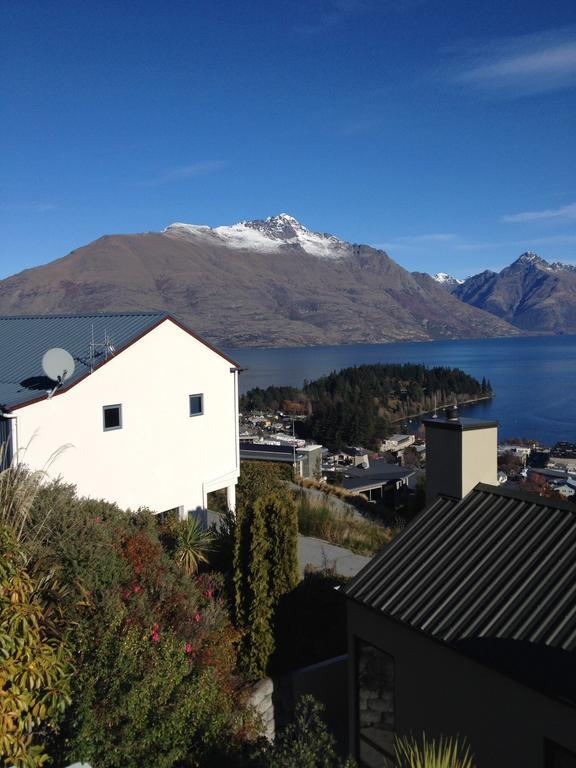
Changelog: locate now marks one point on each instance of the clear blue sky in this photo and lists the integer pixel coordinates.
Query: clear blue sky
(441, 130)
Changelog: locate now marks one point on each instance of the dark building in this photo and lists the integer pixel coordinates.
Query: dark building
(465, 625)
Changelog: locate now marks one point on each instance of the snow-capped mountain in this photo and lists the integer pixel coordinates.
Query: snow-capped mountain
(276, 233)
(269, 282)
(446, 280)
(531, 293)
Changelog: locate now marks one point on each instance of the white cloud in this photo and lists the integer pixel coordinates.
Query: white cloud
(186, 172)
(519, 66)
(565, 213)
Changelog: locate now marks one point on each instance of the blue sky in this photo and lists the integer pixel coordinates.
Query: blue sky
(440, 130)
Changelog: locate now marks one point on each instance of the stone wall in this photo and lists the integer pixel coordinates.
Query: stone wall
(261, 699)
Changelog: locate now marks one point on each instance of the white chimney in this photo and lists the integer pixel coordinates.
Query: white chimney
(459, 454)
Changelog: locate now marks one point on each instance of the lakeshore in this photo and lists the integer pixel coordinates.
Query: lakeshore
(533, 378)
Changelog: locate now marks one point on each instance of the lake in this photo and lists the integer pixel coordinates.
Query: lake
(534, 378)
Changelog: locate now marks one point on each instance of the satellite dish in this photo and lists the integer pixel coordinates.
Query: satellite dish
(58, 364)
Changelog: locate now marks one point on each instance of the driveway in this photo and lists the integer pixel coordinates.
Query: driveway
(321, 554)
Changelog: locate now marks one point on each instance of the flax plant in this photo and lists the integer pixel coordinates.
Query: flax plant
(444, 753)
(192, 545)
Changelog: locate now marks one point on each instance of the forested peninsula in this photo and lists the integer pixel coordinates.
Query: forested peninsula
(361, 404)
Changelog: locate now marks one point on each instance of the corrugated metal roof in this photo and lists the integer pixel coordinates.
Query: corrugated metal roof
(25, 339)
(497, 564)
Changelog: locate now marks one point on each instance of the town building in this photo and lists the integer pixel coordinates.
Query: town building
(148, 417)
(305, 460)
(465, 624)
(397, 443)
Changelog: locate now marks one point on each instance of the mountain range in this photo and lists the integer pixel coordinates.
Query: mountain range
(531, 294)
(269, 282)
(273, 282)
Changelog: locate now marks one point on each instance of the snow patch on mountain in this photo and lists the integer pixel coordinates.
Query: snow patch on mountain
(532, 259)
(276, 233)
(442, 277)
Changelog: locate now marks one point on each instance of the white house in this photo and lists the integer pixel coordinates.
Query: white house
(149, 416)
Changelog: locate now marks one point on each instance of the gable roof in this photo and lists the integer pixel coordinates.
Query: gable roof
(24, 339)
(497, 565)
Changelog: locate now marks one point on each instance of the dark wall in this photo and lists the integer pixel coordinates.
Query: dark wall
(439, 691)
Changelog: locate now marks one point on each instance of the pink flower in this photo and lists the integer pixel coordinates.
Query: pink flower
(196, 617)
(98, 519)
(188, 648)
(155, 637)
(137, 588)
(209, 594)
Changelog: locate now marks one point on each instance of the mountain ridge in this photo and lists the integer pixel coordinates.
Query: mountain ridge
(293, 288)
(530, 293)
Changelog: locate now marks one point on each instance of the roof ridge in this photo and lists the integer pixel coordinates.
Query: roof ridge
(151, 313)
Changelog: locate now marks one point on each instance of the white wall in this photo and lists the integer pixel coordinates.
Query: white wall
(161, 458)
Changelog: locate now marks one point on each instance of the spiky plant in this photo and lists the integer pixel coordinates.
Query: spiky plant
(193, 544)
(426, 753)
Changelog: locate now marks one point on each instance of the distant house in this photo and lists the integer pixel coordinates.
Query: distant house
(565, 490)
(150, 414)
(397, 443)
(466, 623)
(379, 480)
(305, 460)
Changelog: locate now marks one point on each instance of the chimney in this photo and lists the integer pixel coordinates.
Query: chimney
(459, 454)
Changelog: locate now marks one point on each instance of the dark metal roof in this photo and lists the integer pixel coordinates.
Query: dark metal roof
(496, 565)
(25, 339)
(461, 424)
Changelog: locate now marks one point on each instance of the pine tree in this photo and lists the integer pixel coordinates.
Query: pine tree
(253, 600)
(281, 519)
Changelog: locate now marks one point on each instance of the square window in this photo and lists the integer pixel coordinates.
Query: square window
(196, 405)
(112, 415)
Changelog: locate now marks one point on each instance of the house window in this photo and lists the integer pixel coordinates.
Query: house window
(375, 706)
(112, 417)
(558, 757)
(196, 405)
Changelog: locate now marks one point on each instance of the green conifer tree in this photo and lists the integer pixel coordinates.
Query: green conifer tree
(253, 599)
(281, 518)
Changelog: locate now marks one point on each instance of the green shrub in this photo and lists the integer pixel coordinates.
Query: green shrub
(305, 743)
(155, 650)
(36, 661)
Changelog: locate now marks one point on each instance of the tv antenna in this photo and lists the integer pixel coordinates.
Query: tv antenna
(58, 365)
(103, 348)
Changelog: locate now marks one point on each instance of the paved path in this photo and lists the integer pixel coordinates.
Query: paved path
(322, 554)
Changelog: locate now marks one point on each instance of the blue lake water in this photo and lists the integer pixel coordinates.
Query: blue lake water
(534, 378)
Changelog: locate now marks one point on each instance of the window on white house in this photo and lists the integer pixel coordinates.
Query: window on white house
(196, 405)
(112, 417)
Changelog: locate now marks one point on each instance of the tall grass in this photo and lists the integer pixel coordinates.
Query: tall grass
(19, 489)
(341, 528)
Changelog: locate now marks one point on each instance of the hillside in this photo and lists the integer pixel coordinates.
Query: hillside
(263, 283)
(531, 293)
